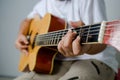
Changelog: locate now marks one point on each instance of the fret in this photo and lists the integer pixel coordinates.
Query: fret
(58, 39)
(55, 39)
(93, 33)
(51, 38)
(87, 33)
(95, 29)
(83, 34)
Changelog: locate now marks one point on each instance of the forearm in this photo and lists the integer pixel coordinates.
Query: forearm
(24, 27)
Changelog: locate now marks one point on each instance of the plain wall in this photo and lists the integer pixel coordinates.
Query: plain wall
(12, 12)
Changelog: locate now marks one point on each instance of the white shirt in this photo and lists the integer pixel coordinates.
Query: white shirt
(88, 11)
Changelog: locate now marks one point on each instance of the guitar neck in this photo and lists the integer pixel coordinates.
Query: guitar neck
(89, 34)
(105, 32)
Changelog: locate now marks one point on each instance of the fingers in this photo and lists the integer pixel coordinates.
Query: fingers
(69, 46)
(76, 46)
(23, 39)
(22, 44)
(67, 40)
(21, 47)
(60, 48)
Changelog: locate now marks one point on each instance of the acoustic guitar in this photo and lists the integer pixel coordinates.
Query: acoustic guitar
(44, 35)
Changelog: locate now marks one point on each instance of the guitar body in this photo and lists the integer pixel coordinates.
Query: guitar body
(41, 59)
(51, 29)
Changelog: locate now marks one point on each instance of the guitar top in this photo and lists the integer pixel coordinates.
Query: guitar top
(50, 30)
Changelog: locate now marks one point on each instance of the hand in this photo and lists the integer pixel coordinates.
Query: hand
(70, 44)
(22, 43)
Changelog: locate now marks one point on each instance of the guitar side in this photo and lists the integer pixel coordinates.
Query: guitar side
(40, 59)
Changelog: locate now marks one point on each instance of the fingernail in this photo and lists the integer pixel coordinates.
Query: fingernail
(69, 30)
(78, 37)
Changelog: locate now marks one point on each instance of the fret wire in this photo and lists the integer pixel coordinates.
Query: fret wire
(93, 27)
(88, 34)
(76, 28)
(58, 42)
(46, 37)
(91, 31)
(91, 34)
(96, 34)
(63, 33)
(52, 38)
(55, 39)
(84, 33)
(80, 33)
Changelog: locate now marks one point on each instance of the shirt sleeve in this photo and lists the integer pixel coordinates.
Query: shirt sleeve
(92, 11)
(34, 11)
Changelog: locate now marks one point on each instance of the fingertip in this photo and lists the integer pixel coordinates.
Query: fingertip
(78, 37)
(72, 31)
(69, 30)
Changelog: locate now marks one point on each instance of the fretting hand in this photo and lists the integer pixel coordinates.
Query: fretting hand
(70, 44)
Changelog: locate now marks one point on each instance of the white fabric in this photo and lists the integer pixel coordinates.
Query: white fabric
(88, 11)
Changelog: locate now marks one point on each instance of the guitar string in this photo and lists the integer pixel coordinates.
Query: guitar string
(64, 32)
(74, 29)
(55, 41)
(58, 39)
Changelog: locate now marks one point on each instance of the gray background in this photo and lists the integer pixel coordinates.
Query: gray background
(12, 12)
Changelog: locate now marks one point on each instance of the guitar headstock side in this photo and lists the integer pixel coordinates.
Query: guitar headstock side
(112, 34)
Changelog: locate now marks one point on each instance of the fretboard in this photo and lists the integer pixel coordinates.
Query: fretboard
(87, 33)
